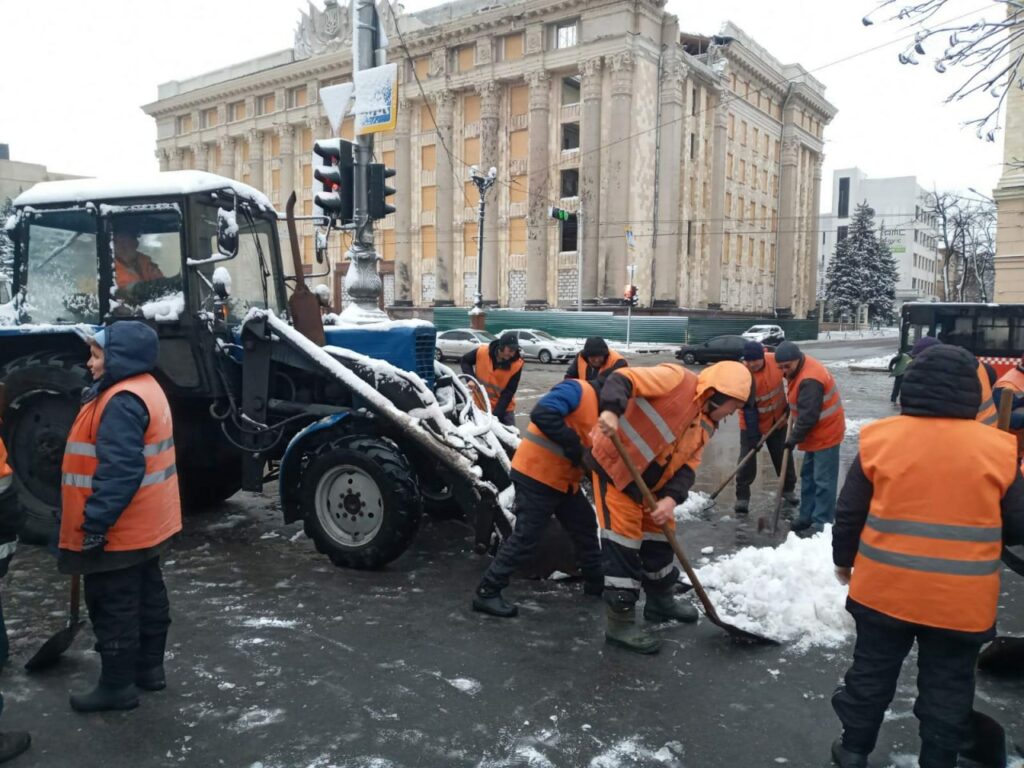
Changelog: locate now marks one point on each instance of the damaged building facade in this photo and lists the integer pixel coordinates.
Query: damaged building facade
(707, 149)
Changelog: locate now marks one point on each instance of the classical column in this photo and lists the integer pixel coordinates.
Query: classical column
(201, 155)
(175, 159)
(613, 241)
(445, 227)
(665, 275)
(403, 207)
(227, 157)
(256, 159)
(590, 175)
(537, 191)
(490, 101)
(811, 239)
(785, 233)
(286, 139)
(716, 206)
(1009, 193)
(163, 157)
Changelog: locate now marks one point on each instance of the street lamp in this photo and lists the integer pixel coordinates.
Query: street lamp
(483, 183)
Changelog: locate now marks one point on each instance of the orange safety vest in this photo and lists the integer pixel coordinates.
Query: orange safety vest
(987, 413)
(769, 395)
(5, 467)
(662, 412)
(542, 459)
(494, 380)
(154, 513)
(929, 552)
(831, 426)
(144, 270)
(581, 364)
(1013, 380)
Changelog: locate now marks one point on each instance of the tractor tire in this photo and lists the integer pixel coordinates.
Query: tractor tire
(360, 501)
(43, 393)
(205, 487)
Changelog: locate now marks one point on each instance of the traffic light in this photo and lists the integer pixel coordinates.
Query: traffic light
(379, 191)
(631, 296)
(335, 173)
(561, 214)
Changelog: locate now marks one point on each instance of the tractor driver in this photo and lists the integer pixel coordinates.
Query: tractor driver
(131, 266)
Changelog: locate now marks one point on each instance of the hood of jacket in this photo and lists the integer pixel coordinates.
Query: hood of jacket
(728, 377)
(131, 348)
(492, 350)
(942, 381)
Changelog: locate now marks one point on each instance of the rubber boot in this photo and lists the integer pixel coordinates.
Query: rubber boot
(844, 758)
(593, 583)
(933, 756)
(106, 698)
(662, 606)
(741, 507)
(490, 601)
(149, 668)
(623, 631)
(12, 744)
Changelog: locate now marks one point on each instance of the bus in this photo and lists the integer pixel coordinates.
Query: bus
(994, 333)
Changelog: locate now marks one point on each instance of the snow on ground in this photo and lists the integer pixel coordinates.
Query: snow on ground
(788, 592)
(853, 426)
(880, 363)
(879, 333)
(629, 752)
(693, 507)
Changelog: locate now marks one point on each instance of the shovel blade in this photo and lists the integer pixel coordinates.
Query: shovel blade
(1003, 656)
(51, 651)
(742, 634)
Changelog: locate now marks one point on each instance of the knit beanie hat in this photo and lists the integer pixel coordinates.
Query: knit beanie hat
(922, 344)
(787, 352)
(753, 350)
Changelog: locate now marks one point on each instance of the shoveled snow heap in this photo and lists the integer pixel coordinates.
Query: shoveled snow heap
(694, 506)
(789, 592)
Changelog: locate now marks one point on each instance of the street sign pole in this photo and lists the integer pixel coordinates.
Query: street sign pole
(629, 304)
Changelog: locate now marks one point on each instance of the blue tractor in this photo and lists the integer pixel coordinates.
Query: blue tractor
(361, 433)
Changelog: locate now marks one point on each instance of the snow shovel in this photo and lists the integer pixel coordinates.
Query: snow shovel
(762, 522)
(709, 608)
(303, 305)
(744, 460)
(51, 651)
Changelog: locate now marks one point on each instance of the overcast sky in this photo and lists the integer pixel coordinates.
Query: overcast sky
(73, 76)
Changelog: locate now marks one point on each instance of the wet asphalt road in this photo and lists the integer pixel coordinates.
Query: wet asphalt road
(279, 659)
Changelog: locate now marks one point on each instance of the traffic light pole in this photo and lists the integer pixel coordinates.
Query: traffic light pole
(629, 303)
(362, 282)
(483, 183)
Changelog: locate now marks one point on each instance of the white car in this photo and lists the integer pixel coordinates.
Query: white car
(766, 334)
(458, 341)
(542, 346)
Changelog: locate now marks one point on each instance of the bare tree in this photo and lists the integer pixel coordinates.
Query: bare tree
(966, 232)
(991, 52)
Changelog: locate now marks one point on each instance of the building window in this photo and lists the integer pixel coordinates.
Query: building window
(570, 136)
(519, 100)
(743, 133)
(728, 165)
(518, 145)
(732, 126)
(570, 90)
(297, 97)
(564, 34)
(728, 205)
(567, 236)
(208, 118)
(421, 68)
(689, 238)
(183, 124)
(266, 104)
(693, 101)
(844, 198)
(841, 233)
(510, 47)
(465, 58)
(570, 184)
(428, 157)
(236, 111)
(693, 146)
(428, 198)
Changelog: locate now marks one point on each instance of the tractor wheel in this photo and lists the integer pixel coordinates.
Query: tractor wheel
(360, 501)
(43, 394)
(204, 487)
(438, 501)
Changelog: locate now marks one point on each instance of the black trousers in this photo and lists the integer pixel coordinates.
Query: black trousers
(130, 614)
(776, 445)
(945, 686)
(534, 507)
(897, 384)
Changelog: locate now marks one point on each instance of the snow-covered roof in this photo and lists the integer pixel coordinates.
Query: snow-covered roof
(141, 185)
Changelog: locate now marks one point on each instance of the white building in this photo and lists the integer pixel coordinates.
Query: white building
(900, 220)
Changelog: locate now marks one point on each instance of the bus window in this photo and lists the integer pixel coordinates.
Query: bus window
(993, 334)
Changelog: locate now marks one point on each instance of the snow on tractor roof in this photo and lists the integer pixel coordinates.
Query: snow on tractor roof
(142, 185)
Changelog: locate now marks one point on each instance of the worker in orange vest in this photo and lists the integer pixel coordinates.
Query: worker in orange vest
(919, 546)
(664, 415)
(119, 507)
(1013, 380)
(497, 366)
(546, 472)
(987, 413)
(594, 359)
(817, 428)
(130, 264)
(757, 418)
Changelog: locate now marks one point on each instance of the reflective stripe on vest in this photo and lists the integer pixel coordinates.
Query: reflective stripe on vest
(154, 512)
(770, 395)
(987, 413)
(930, 549)
(830, 426)
(494, 380)
(542, 459)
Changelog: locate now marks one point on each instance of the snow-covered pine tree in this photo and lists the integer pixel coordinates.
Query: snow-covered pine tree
(862, 271)
(845, 278)
(883, 274)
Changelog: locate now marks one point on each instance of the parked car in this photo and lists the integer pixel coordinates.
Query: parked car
(458, 341)
(766, 334)
(542, 346)
(714, 350)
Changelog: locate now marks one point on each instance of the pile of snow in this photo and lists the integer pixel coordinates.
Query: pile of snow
(788, 593)
(853, 426)
(694, 506)
(166, 309)
(880, 363)
(878, 333)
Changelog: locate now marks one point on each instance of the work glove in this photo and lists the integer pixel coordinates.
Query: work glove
(575, 455)
(93, 543)
(791, 443)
